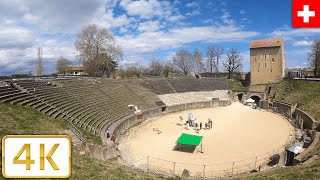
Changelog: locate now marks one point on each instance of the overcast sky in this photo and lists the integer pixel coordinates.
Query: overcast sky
(144, 29)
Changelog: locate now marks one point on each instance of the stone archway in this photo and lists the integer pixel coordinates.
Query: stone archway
(240, 96)
(256, 98)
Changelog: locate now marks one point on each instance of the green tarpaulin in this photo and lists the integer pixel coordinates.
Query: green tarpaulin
(188, 139)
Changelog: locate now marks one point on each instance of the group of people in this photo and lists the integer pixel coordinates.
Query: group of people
(192, 122)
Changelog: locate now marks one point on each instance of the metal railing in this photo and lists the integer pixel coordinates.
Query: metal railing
(223, 169)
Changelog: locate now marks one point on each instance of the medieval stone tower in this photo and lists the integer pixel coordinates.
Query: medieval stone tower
(267, 61)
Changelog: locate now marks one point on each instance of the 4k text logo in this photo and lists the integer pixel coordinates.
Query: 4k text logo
(37, 156)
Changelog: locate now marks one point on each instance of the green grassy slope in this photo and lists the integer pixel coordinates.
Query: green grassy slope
(305, 92)
(22, 120)
(235, 86)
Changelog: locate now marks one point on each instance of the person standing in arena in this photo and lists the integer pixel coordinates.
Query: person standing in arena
(210, 123)
(107, 134)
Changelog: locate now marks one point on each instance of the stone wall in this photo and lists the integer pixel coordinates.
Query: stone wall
(283, 108)
(308, 121)
(303, 121)
(127, 122)
(189, 97)
(102, 152)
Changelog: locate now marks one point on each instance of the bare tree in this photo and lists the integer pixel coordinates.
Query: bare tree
(198, 59)
(94, 41)
(183, 61)
(314, 57)
(218, 53)
(214, 54)
(156, 68)
(62, 65)
(233, 63)
(211, 58)
(131, 70)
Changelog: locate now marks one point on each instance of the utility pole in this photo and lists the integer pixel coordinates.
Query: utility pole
(39, 67)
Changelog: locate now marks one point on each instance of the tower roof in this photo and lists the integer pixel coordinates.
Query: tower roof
(272, 42)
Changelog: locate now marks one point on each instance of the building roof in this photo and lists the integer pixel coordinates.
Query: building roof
(75, 68)
(272, 42)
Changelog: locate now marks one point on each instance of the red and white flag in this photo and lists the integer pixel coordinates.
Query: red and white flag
(306, 13)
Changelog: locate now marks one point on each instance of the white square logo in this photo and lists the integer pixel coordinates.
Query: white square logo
(36, 156)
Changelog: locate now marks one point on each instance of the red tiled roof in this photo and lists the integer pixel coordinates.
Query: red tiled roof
(273, 42)
(75, 68)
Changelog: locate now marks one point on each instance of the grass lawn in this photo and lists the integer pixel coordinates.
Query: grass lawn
(235, 86)
(305, 92)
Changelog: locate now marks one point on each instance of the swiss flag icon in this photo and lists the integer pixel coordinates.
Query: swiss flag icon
(306, 13)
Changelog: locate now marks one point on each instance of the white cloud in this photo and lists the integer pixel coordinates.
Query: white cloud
(242, 11)
(302, 43)
(193, 13)
(15, 37)
(108, 20)
(147, 9)
(15, 60)
(149, 26)
(148, 42)
(176, 18)
(52, 16)
(192, 5)
(208, 21)
(226, 18)
(26, 25)
(289, 32)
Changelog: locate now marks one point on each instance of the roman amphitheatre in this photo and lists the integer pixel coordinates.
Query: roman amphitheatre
(239, 134)
(146, 117)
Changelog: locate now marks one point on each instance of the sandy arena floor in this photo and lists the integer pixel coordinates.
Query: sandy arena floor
(239, 134)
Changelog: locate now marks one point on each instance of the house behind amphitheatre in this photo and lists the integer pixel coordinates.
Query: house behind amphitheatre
(267, 61)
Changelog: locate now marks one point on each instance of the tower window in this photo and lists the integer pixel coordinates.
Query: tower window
(265, 56)
(272, 60)
(265, 65)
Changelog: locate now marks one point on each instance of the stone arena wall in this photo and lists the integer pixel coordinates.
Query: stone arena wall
(308, 121)
(301, 120)
(305, 154)
(127, 122)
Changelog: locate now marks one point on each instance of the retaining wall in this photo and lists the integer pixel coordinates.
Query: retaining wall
(308, 121)
(302, 120)
(121, 125)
